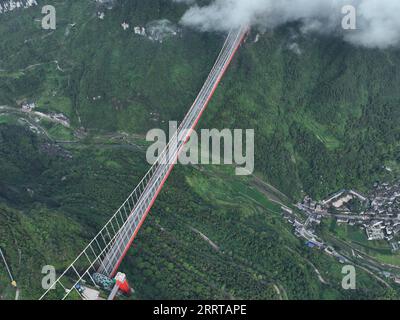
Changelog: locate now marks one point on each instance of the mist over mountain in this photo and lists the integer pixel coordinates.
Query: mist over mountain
(324, 109)
(312, 92)
(378, 23)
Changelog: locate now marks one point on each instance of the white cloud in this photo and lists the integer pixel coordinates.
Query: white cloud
(378, 21)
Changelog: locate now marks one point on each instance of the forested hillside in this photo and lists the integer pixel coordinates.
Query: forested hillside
(54, 199)
(325, 115)
(310, 99)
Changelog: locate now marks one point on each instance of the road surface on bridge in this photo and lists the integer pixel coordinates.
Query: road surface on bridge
(106, 251)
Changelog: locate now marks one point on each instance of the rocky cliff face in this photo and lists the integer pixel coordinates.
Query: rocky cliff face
(10, 5)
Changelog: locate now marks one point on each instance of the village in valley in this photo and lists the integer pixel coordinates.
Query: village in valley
(377, 214)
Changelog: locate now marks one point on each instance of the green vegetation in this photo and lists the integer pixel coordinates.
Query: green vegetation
(310, 111)
(324, 120)
(357, 239)
(55, 199)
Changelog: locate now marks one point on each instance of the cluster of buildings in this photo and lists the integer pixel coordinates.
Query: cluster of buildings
(28, 106)
(141, 31)
(384, 211)
(378, 213)
(11, 5)
(306, 230)
(385, 199)
(60, 118)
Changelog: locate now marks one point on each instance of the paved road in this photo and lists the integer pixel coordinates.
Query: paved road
(361, 217)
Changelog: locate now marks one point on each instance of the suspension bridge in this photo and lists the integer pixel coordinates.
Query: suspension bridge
(104, 254)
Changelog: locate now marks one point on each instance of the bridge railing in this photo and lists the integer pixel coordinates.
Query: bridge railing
(168, 158)
(105, 252)
(93, 258)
